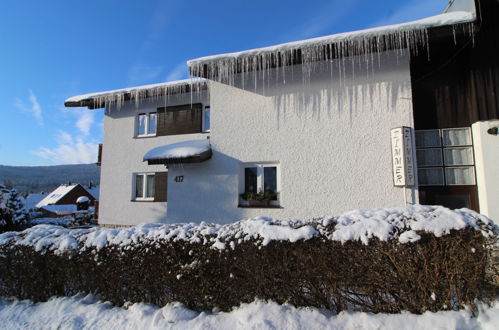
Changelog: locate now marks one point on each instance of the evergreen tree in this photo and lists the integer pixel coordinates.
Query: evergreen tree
(16, 206)
(12, 213)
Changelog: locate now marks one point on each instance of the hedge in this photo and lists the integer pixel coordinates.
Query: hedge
(431, 273)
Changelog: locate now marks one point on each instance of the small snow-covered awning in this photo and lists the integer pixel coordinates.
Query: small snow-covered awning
(194, 151)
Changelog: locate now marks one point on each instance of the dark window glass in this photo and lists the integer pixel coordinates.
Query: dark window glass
(270, 179)
(250, 174)
(139, 186)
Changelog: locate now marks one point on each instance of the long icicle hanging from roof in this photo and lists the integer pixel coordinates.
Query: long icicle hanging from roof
(358, 46)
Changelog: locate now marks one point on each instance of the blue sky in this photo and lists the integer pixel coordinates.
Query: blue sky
(52, 50)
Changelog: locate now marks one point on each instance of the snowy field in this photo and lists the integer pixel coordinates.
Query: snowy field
(81, 312)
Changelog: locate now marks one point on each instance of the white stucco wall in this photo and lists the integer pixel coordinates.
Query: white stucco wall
(487, 167)
(330, 139)
(122, 156)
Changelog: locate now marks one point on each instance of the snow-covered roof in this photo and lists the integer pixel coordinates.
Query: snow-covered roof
(193, 151)
(56, 195)
(102, 99)
(406, 35)
(60, 209)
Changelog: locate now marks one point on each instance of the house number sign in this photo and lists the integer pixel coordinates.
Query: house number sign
(179, 178)
(402, 157)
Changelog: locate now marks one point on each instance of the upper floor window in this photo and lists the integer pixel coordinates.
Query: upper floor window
(146, 124)
(445, 157)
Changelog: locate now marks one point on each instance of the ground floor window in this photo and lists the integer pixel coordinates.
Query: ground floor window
(260, 182)
(144, 186)
(445, 157)
(446, 168)
(150, 187)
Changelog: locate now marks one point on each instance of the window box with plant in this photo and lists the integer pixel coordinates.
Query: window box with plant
(262, 198)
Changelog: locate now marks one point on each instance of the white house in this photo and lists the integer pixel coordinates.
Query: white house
(314, 128)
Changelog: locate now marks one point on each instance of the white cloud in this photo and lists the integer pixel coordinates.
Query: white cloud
(179, 72)
(85, 122)
(34, 107)
(70, 150)
(413, 10)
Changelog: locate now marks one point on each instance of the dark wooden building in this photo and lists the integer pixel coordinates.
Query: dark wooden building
(454, 86)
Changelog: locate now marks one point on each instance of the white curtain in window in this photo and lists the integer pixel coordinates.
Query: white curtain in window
(139, 186)
(141, 125)
(151, 128)
(458, 156)
(464, 175)
(456, 137)
(150, 186)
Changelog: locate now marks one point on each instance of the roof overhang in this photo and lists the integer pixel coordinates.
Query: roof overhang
(186, 152)
(411, 35)
(118, 96)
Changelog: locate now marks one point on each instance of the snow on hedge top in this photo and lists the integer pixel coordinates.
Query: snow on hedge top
(400, 223)
(451, 18)
(179, 150)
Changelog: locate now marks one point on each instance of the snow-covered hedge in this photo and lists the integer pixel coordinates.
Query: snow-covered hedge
(385, 260)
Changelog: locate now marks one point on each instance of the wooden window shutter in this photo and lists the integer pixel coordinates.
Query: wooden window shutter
(161, 187)
(181, 119)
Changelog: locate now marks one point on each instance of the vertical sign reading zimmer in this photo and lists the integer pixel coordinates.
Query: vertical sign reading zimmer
(403, 162)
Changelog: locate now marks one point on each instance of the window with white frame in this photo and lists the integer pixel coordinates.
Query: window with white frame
(146, 124)
(206, 119)
(144, 186)
(260, 179)
(445, 157)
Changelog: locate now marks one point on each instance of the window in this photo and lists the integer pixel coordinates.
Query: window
(445, 157)
(144, 186)
(259, 179)
(206, 119)
(146, 124)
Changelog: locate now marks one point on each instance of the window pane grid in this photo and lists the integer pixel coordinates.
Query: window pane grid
(445, 157)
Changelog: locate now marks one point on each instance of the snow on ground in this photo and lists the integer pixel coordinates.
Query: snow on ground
(84, 312)
(361, 225)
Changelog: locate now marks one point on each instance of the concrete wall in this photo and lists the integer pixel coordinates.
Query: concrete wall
(122, 156)
(331, 140)
(487, 168)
